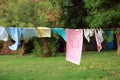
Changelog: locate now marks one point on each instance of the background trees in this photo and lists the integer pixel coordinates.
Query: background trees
(28, 13)
(72, 13)
(92, 14)
(104, 14)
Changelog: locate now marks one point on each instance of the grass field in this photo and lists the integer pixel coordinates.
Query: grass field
(94, 66)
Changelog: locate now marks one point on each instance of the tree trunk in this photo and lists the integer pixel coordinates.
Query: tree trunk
(118, 41)
(22, 50)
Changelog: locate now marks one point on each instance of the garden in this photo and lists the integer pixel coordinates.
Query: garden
(44, 58)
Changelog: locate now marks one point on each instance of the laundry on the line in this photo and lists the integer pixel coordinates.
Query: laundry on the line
(3, 34)
(15, 34)
(61, 32)
(29, 33)
(44, 31)
(74, 44)
(99, 45)
(73, 38)
(88, 33)
(100, 35)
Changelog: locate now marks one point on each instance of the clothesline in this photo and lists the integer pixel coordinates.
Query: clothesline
(15, 33)
(73, 38)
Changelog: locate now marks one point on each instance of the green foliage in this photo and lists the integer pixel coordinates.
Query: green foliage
(102, 13)
(26, 13)
(37, 51)
(45, 47)
(72, 13)
(96, 4)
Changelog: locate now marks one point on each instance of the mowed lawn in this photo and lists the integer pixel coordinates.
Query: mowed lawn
(94, 66)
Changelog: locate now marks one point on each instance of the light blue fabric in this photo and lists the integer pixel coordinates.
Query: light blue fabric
(61, 32)
(29, 33)
(15, 34)
(110, 40)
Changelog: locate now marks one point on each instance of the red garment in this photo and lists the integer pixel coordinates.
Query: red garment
(99, 46)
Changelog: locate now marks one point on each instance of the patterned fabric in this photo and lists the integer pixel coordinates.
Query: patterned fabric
(99, 46)
(61, 32)
(74, 42)
(3, 34)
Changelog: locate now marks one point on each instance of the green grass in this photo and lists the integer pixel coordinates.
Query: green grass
(94, 66)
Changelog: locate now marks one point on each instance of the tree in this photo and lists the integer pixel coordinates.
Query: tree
(29, 13)
(72, 13)
(92, 14)
(104, 14)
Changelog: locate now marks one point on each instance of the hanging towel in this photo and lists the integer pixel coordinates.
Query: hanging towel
(3, 34)
(99, 46)
(61, 32)
(91, 32)
(74, 42)
(15, 34)
(44, 31)
(29, 33)
(100, 35)
(87, 34)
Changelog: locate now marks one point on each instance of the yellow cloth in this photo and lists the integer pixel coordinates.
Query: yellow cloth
(44, 32)
(41, 32)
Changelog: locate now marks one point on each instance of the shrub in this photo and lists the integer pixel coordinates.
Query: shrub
(30, 13)
(44, 47)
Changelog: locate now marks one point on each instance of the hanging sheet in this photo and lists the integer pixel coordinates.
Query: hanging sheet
(74, 42)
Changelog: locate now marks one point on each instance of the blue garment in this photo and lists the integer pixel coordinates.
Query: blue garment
(110, 40)
(29, 33)
(61, 32)
(15, 34)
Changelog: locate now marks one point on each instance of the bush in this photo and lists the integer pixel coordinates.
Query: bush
(30, 13)
(44, 47)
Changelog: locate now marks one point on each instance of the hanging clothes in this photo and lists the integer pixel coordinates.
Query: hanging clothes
(61, 32)
(15, 34)
(91, 32)
(29, 33)
(44, 31)
(74, 42)
(3, 34)
(99, 46)
(88, 33)
(100, 35)
(110, 39)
